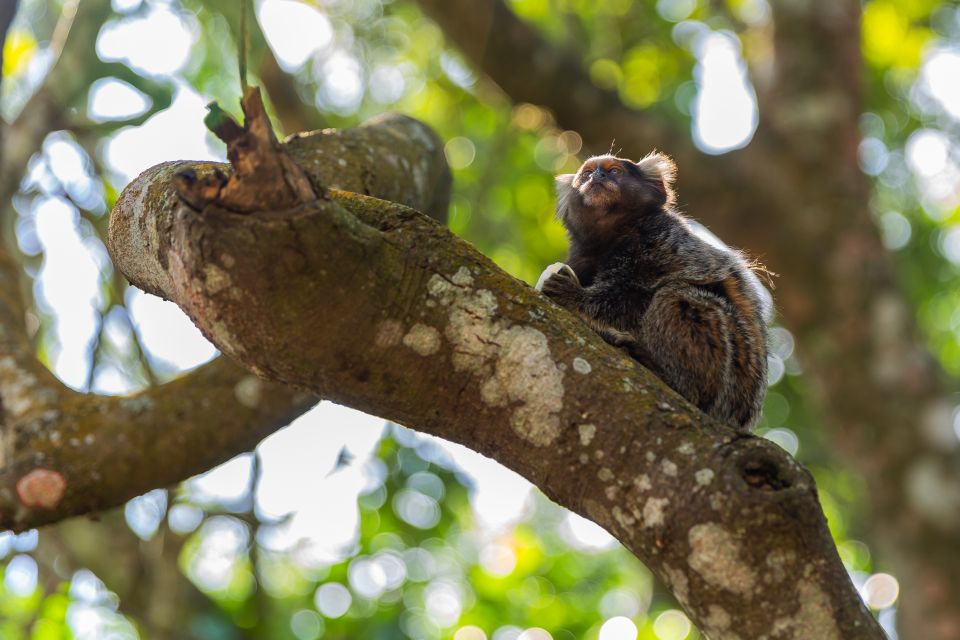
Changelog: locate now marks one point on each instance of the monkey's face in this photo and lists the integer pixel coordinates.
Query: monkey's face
(604, 181)
(606, 190)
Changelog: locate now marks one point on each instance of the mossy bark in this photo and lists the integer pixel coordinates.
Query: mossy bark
(374, 305)
(797, 198)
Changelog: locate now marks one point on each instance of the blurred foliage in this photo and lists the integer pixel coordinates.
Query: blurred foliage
(421, 567)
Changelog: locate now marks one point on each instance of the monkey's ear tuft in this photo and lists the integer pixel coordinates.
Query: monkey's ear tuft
(660, 171)
(659, 166)
(564, 184)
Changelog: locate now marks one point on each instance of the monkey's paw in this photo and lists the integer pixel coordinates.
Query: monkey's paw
(559, 269)
(559, 283)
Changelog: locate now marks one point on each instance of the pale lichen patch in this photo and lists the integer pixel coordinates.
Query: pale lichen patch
(625, 520)
(526, 375)
(717, 501)
(605, 474)
(779, 562)
(423, 339)
(134, 236)
(717, 618)
(462, 278)
(642, 482)
(653, 512)
(669, 468)
(21, 390)
(514, 362)
(224, 339)
(587, 431)
(678, 583)
(715, 555)
(215, 278)
(704, 477)
(581, 366)
(249, 391)
(813, 619)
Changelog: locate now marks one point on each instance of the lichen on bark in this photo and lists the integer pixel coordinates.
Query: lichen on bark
(451, 345)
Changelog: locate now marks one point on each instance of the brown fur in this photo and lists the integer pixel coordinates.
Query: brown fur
(637, 273)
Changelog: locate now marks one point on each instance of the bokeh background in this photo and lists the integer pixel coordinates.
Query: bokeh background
(340, 526)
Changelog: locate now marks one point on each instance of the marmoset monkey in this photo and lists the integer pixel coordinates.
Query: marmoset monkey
(689, 311)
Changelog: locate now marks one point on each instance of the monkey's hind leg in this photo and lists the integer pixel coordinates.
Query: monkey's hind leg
(631, 345)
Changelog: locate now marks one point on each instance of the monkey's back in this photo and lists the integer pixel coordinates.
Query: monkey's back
(695, 316)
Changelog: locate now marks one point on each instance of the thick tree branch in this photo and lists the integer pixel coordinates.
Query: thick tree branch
(375, 306)
(797, 198)
(65, 453)
(90, 453)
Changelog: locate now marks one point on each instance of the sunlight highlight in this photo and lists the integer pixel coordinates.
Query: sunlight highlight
(295, 31)
(725, 109)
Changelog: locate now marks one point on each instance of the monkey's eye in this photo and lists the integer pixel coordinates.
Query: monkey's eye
(616, 170)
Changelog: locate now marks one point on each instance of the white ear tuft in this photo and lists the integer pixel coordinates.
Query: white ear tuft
(659, 166)
(564, 182)
(564, 185)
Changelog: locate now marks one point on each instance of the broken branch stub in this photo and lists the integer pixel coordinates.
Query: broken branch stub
(264, 175)
(391, 156)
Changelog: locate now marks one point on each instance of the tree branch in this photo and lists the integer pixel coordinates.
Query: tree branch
(453, 346)
(91, 453)
(65, 453)
(797, 198)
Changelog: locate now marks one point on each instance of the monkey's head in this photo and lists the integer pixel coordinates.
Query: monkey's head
(607, 190)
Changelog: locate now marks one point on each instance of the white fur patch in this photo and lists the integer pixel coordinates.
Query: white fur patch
(564, 186)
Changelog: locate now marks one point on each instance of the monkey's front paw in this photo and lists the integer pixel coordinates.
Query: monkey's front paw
(561, 270)
(560, 284)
